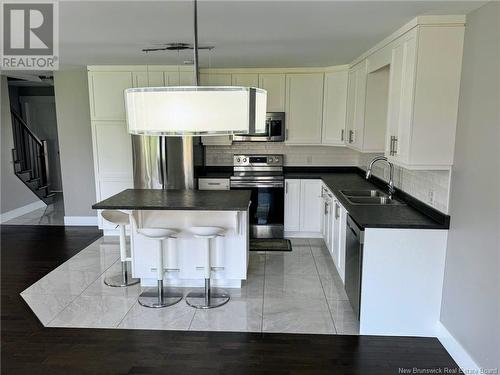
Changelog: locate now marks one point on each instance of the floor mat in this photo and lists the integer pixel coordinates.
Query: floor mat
(270, 244)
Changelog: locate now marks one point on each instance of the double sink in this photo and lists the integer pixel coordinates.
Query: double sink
(369, 197)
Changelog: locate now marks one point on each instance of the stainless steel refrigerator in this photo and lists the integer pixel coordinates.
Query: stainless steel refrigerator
(166, 162)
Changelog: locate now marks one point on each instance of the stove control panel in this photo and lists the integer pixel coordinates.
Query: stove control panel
(258, 160)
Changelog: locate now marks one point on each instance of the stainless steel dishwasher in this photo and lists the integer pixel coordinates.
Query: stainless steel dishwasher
(354, 263)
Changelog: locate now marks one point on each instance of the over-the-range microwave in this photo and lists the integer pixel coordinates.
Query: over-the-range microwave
(275, 130)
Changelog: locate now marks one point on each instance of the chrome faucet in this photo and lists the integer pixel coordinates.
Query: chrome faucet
(391, 173)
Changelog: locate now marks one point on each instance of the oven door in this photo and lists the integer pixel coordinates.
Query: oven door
(266, 208)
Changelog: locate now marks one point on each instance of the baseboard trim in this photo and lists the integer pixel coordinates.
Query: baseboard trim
(90, 221)
(290, 234)
(9, 215)
(457, 351)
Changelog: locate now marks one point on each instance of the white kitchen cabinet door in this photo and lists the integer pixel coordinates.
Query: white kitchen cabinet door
(140, 79)
(327, 223)
(336, 233)
(275, 85)
(310, 206)
(215, 79)
(209, 79)
(292, 205)
(423, 97)
(107, 94)
(334, 108)
(342, 226)
(245, 80)
(401, 82)
(156, 79)
(304, 108)
(113, 149)
(356, 97)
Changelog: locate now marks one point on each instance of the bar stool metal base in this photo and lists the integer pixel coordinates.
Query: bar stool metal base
(209, 298)
(158, 298)
(122, 280)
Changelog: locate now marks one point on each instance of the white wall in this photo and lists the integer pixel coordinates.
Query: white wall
(75, 142)
(471, 292)
(14, 194)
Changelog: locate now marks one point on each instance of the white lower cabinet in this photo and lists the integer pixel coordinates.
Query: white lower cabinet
(303, 207)
(334, 218)
(339, 237)
(292, 206)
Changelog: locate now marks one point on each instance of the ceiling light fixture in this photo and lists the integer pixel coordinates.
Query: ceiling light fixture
(195, 110)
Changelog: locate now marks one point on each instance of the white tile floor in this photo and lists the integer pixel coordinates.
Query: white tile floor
(291, 292)
(53, 214)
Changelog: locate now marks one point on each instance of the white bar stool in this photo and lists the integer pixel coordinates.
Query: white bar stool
(209, 298)
(162, 297)
(122, 220)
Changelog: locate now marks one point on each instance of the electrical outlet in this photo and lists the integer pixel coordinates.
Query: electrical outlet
(430, 197)
(309, 159)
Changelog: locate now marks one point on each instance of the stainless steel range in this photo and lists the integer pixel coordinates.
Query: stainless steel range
(263, 175)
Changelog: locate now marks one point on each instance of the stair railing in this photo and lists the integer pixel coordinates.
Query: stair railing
(29, 151)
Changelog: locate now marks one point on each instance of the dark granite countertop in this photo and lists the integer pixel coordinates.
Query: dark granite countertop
(156, 199)
(412, 215)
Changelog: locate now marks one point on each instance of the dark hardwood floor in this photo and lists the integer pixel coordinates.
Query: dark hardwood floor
(28, 253)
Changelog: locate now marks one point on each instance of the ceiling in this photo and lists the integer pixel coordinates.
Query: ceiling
(244, 33)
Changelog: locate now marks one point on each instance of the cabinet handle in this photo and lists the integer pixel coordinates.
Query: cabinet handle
(391, 145)
(351, 134)
(286, 187)
(326, 208)
(395, 150)
(342, 135)
(337, 209)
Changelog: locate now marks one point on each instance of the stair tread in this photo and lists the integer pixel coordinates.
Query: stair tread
(50, 195)
(42, 187)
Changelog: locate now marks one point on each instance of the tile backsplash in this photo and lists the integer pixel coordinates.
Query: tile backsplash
(294, 155)
(428, 186)
(431, 187)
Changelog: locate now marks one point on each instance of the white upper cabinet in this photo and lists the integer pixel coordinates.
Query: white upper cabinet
(304, 108)
(334, 108)
(107, 100)
(423, 97)
(245, 80)
(356, 95)
(215, 79)
(402, 80)
(157, 78)
(275, 85)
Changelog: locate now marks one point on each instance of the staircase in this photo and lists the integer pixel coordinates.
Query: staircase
(30, 159)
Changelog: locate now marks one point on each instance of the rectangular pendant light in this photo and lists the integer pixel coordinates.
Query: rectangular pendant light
(195, 110)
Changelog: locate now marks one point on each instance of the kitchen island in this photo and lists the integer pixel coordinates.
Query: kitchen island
(180, 210)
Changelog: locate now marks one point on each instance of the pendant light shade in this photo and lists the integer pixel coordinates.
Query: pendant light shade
(195, 110)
